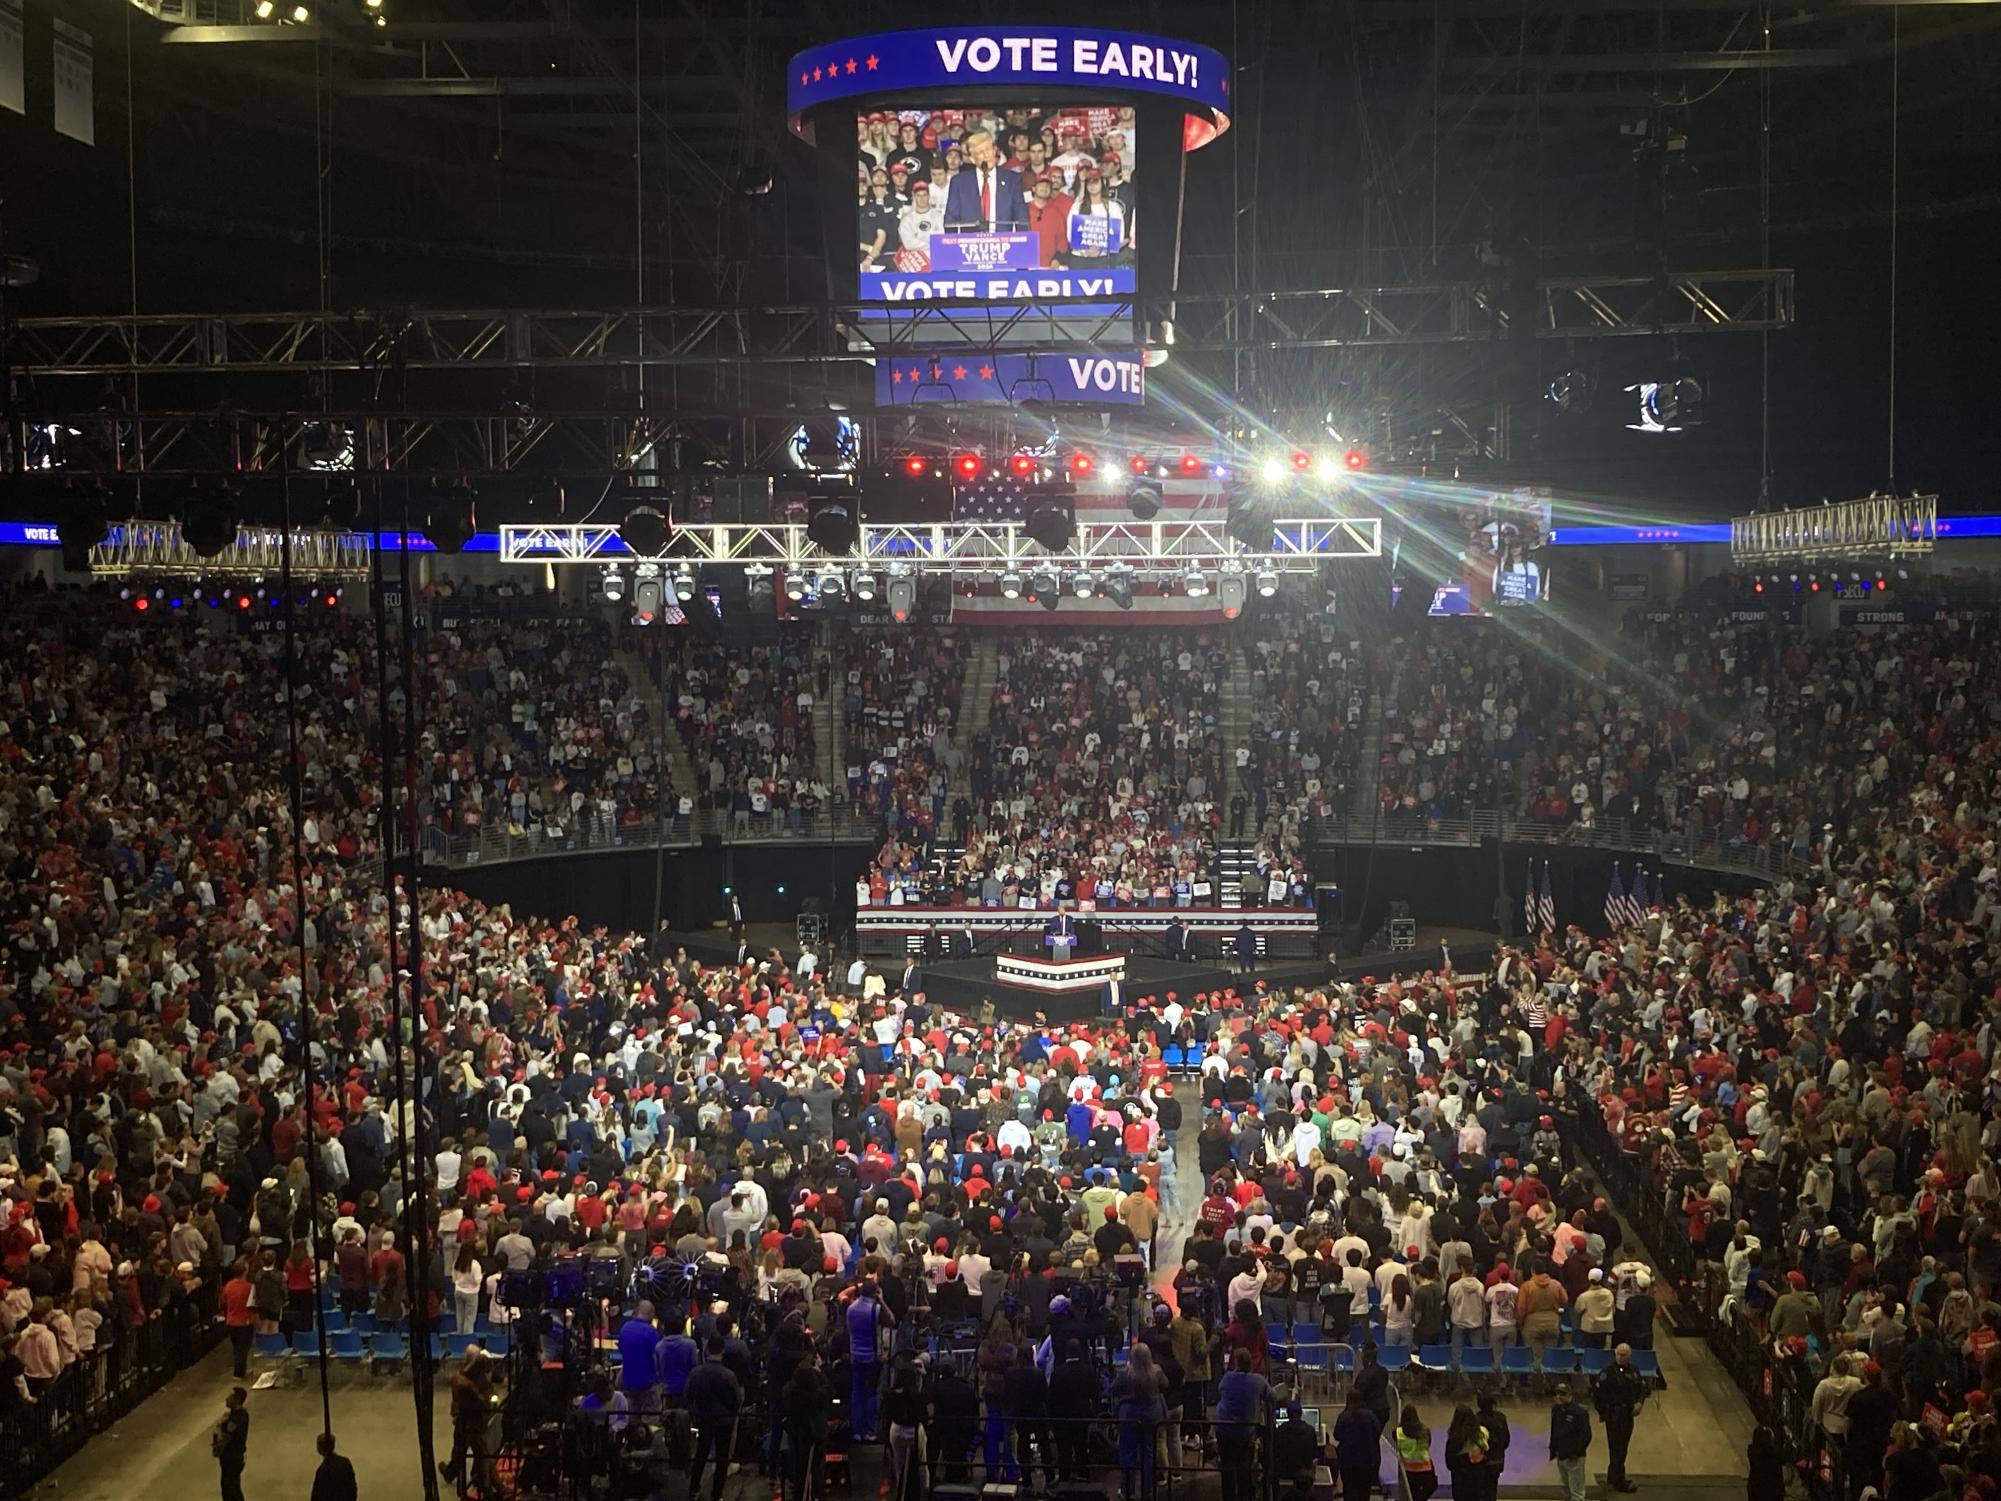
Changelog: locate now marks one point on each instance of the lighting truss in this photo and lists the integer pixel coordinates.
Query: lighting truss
(971, 548)
(135, 547)
(1874, 526)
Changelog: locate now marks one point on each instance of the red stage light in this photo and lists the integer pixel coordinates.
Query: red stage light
(1302, 460)
(332, 600)
(1190, 463)
(1022, 463)
(1814, 584)
(915, 464)
(1140, 463)
(242, 601)
(1080, 463)
(1758, 586)
(142, 604)
(968, 465)
(1354, 458)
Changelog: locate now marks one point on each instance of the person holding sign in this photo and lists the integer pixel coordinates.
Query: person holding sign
(985, 195)
(1097, 223)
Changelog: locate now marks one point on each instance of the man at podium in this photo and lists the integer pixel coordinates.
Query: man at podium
(1059, 935)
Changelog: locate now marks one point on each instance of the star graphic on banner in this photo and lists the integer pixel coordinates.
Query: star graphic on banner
(851, 65)
(896, 377)
(833, 67)
(958, 372)
(816, 75)
(871, 62)
(1226, 85)
(802, 80)
(986, 372)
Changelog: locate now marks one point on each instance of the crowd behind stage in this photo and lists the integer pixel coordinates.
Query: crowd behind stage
(1807, 1077)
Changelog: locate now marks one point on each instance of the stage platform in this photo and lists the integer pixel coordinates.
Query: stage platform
(961, 984)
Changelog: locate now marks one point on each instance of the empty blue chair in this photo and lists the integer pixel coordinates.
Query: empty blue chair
(306, 1344)
(1171, 1055)
(1342, 1358)
(363, 1323)
(447, 1322)
(335, 1321)
(1476, 1362)
(1395, 1358)
(1559, 1360)
(388, 1349)
(271, 1346)
(438, 1351)
(345, 1344)
(1648, 1363)
(1518, 1360)
(500, 1341)
(456, 1345)
(1593, 1362)
(1434, 1358)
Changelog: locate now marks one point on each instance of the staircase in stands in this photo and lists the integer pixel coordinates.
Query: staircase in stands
(680, 769)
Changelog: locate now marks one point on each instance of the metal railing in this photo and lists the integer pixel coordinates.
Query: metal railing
(496, 845)
(1395, 828)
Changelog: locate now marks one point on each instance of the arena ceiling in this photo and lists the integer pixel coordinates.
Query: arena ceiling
(592, 154)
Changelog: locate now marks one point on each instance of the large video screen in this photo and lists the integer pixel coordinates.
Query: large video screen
(1004, 204)
(1501, 560)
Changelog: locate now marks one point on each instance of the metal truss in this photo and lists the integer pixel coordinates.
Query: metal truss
(1872, 527)
(969, 548)
(809, 334)
(156, 547)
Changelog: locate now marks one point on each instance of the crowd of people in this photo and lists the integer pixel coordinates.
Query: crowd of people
(1802, 1080)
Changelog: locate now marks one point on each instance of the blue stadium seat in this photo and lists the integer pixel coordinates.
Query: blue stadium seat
(1559, 1360)
(1518, 1360)
(1342, 1358)
(388, 1348)
(1434, 1358)
(363, 1323)
(345, 1344)
(335, 1321)
(1474, 1361)
(1308, 1348)
(1591, 1362)
(1648, 1363)
(456, 1345)
(306, 1344)
(1171, 1055)
(1396, 1358)
(271, 1346)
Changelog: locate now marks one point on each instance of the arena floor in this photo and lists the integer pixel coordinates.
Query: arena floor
(1689, 1443)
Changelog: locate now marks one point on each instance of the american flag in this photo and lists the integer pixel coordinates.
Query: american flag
(1615, 901)
(998, 498)
(1548, 902)
(1100, 498)
(1636, 896)
(1529, 923)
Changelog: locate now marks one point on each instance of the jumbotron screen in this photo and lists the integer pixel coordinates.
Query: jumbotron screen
(1500, 557)
(1005, 204)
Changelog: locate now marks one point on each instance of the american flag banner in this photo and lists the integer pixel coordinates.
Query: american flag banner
(1660, 893)
(999, 497)
(1634, 908)
(1615, 901)
(1548, 902)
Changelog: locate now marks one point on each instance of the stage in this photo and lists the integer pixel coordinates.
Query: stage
(961, 984)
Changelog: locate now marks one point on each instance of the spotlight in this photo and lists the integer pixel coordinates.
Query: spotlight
(264, 9)
(1139, 463)
(1010, 585)
(209, 520)
(966, 465)
(614, 585)
(1757, 586)
(1082, 585)
(1190, 463)
(830, 585)
(646, 531)
(1143, 498)
(451, 523)
(300, 14)
(795, 587)
(915, 465)
(830, 525)
(1272, 470)
(373, 4)
(1354, 458)
(647, 597)
(1196, 582)
(1119, 585)
(1050, 600)
(1052, 526)
(1044, 581)
(329, 599)
(1326, 470)
(864, 585)
(685, 583)
(1267, 582)
(1082, 463)
(902, 598)
(1301, 461)
(142, 604)
(242, 601)
(1022, 464)
(1230, 593)
(1570, 392)
(1667, 406)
